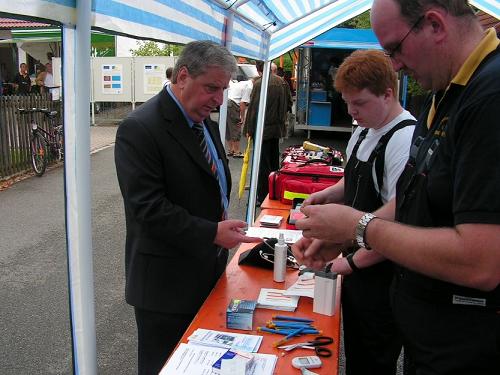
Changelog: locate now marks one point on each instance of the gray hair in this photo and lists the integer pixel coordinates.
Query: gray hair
(412, 10)
(199, 55)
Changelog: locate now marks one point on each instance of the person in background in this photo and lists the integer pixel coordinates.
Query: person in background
(49, 85)
(37, 77)
(168, 75)
(443, 227)
(238, 99)
(280, 72)
(48, 81)
(377, 152)
(279, 102)
(288, 79)
(175, 181)
(40, 79)
(22, 80)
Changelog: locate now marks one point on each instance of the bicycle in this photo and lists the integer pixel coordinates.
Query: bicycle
(42, 142)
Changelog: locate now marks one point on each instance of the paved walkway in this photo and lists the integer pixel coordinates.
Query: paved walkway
(102, 137)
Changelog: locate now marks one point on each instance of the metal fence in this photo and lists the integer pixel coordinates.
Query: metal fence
(15, 131)
(106, 113)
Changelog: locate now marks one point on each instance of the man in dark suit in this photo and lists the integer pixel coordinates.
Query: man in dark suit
(175, 181)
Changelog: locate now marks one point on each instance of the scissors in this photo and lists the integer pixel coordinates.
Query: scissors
(318, 345)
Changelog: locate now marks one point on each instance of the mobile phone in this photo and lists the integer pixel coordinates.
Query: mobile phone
(312, 361)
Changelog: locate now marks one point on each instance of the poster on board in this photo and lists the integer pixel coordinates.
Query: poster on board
(112, 79)
(154, 76)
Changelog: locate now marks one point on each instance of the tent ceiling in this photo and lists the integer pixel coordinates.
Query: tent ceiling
(262, 29)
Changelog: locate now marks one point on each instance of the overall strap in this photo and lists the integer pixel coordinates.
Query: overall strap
(379, 150)
(361, 137)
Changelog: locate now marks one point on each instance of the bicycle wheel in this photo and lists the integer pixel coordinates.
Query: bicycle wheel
(38, 154)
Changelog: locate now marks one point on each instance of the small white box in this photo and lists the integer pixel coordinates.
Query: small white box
(325, 288)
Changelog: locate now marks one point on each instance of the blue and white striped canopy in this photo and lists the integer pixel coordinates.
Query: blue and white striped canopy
(260, 29)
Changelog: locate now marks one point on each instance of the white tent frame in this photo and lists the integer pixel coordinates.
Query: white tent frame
(77, 20)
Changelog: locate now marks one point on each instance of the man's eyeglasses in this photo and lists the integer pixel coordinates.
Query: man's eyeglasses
(391, 52)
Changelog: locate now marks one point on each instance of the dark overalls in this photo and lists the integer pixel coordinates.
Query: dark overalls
(447, 329)
(372, 341)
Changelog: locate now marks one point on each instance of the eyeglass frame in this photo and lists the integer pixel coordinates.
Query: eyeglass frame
(390, 53)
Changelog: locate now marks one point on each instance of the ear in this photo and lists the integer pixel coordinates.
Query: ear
(182, 77)
(436, 19)
(389, 94)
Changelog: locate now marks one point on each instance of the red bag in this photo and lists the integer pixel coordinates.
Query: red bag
(301, 180)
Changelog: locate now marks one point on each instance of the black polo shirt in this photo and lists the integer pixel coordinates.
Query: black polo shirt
(459, 181)
(463, 183)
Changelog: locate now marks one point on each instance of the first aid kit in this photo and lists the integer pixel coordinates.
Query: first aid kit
(299, 180)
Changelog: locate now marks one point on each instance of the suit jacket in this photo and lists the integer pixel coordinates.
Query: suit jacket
(172, 207)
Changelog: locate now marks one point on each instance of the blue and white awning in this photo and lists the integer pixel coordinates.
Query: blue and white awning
(261, 29)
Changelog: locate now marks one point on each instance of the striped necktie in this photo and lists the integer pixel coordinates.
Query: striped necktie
(198, 130)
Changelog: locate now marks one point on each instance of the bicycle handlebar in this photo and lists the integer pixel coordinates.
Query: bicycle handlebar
(47, 112)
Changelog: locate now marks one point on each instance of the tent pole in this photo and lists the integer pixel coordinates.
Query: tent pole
(227, 40)
(76, 73)
(259, 131)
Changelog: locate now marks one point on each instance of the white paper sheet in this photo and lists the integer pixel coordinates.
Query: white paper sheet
(189, 359)
(291, 236)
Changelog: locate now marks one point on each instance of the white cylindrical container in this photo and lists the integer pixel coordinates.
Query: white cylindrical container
(280, 255)
(325, 288)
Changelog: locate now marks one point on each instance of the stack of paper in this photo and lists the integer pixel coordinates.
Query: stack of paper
(227, 340)
(271, 221)
(275, 299)
(191, 359)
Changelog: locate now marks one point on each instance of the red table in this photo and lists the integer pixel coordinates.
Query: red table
(245, 282)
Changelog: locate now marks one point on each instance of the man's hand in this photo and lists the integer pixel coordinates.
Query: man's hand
(331, 222)
(315, 253)
(320, 197)
(332, 194)
(231, 233)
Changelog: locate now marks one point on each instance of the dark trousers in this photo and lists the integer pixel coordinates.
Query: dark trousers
(269, 162)
(158, 334)
(372, 340)
(446, 339)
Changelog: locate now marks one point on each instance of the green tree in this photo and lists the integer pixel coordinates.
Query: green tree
(414, 89)
(361, 21)
(287, 61)
(150, 48)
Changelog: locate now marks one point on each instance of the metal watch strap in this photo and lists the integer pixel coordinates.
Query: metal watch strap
(361, 229)
(350, 260)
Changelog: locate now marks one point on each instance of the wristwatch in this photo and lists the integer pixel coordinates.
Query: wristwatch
(361, 229)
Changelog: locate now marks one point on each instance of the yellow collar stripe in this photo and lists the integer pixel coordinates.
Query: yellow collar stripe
(487, 45)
